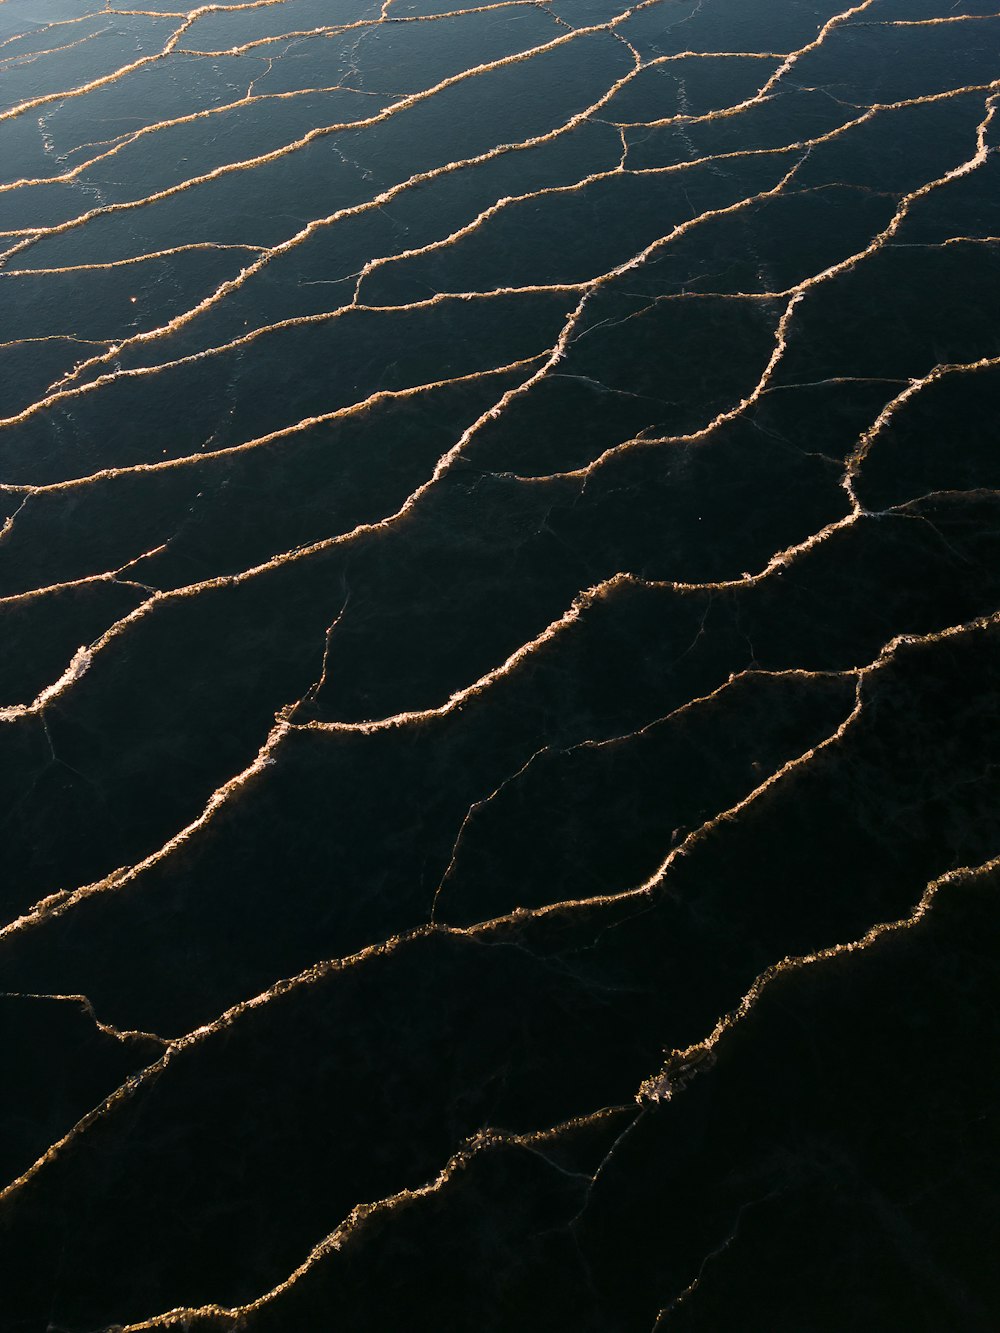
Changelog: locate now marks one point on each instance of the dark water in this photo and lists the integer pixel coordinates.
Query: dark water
(517, 847)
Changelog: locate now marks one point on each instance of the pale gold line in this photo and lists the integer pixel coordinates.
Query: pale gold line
(99, 266)
(762, 93)
(736, 678)
(894, 406)
(126, 1035)
(483, 1141)
(682, 1065)
(358, 408)
(799, 291)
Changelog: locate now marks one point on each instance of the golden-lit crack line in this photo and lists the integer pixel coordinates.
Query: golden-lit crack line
(555, 355)
(317, 972)
(683, 1065)
(81, 1002)
(679, 1069)
(57, 903)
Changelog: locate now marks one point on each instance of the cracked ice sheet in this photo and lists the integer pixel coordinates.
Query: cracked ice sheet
(323, 619)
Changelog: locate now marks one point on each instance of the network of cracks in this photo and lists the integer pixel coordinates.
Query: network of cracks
(500, 586)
